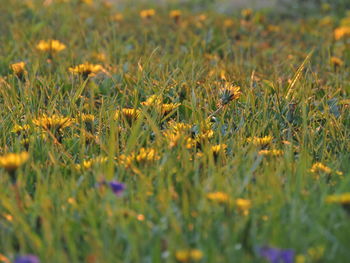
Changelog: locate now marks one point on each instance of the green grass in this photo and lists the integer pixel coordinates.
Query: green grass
(290, 91)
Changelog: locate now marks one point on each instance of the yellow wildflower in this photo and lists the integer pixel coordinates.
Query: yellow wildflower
(118, 17)
(343, 199)
(179, 127)
(229, 93)
(153, 100)
(272, 152)
(337, 62)
(147, 154)
(54, 122)
(144, 155)
(316, 253)
(20, 129)
(342, 32)
(87, 69)
(169, 107)
(260, 141)
(188, 255)
(19, 69)
(147, 13)
(320, 168)
(219, 197)
(229, 22)
(216, 149)
(12, 161)
(100, 56)
(129, 113)
(300, 259)
(247, 13)
(175, 14)
(243, 205)
(87, 164)
(51, 45)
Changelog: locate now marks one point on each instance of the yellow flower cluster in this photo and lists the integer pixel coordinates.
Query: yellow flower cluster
(87, 164)
(142, 156)
(163, 108)
(272, 153)
(320, 168)
(51, 45)
(216, 149)
(260, 141)
(188, 255)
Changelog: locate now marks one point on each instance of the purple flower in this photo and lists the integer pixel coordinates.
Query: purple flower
(117, 187)
(27, 259)
(276, 255)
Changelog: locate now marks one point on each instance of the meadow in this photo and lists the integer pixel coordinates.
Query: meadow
(148, 133)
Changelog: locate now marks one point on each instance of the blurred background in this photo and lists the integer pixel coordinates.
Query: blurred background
(295, 7)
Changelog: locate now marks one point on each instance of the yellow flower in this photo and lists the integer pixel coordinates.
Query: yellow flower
(11, 161)
(20, 129)
(179, 127)
(219, 197)
(51, 45)
(247, 13)
(87, 164)
(144, 155)
(343, 199)
(320, 168)
(147, 13)
(274, 153)
(153, 100)
(202, 17)
(87, 69)
(335, 61)
(54, 122)
(243, 205)
(147, 154)
(173, 138)
(175, 14)
(169, 107)
(273, 28)
(100, 56)
(88, 2)
(316, 253)
(228, 22)
(87, 118)
(188, 255)
(229, 93)
(216, 149)
(342, 32)
(129, 114)
(260, 141)
(300, 259)
(18, 68)
(118, 17)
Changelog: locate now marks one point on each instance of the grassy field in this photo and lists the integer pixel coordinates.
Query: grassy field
(137, 133)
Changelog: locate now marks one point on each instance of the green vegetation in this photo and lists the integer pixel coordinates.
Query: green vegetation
(167, 134)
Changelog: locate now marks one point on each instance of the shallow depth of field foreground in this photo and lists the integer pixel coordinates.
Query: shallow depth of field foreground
(174, 132)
